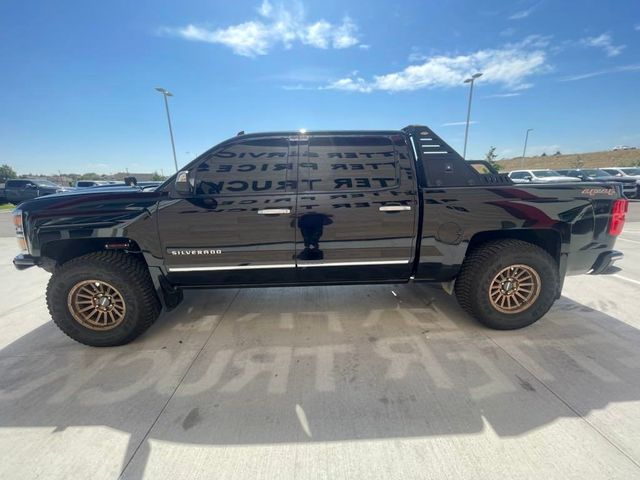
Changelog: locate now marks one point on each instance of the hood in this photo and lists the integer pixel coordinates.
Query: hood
(97, 198)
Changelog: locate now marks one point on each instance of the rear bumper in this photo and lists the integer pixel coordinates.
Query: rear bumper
(605, 260)
(24, 261)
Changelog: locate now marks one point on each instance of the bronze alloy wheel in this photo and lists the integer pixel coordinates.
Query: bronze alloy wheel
(96, 305)
(514, 289)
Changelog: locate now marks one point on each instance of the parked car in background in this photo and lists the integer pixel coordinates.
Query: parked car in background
(539, 176)
(633, 171)
(20, 190)
(630, 172)
(94, 183)
(623, 147)
(629, 184)
(3, 198)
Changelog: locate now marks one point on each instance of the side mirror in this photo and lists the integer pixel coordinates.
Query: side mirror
(182, 184)
(528, 178)
(30, 185)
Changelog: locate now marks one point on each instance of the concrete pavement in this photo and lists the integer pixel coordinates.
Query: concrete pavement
(327, 382)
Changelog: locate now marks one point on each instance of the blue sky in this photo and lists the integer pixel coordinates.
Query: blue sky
(78, 77)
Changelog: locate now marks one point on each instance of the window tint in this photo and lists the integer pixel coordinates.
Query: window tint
(482, 169)
(16, 183)
(257, 166)
(347, 163)
(518, 175)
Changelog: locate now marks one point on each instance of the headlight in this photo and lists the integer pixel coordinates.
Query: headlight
(17, 223)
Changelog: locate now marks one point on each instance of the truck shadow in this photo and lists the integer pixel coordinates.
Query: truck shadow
(321, 364)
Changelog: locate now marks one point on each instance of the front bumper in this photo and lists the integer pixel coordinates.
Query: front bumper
(24, 261)
(605, 260)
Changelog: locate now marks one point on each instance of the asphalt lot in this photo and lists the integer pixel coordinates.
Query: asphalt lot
(327, 382)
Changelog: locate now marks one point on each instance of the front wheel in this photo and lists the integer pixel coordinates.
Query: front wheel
(507, 284)
(102, 299)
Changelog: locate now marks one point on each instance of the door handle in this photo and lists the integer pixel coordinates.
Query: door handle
(394, 208)
(274, 211)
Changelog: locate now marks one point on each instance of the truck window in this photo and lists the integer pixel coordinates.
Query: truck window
(15, 183)
(519, 175)
(348, 163)
(252, 166)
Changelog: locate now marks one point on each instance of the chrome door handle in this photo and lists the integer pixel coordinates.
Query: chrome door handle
(274, 211)
(394, 208)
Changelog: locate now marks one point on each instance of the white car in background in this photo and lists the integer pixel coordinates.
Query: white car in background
(632, 172)
(540, 176)
(623, 147)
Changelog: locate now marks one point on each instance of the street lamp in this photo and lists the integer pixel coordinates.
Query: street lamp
(524, 151)
(165, 93)
(466, 130)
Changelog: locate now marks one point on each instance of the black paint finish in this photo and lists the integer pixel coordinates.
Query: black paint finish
(289, 208)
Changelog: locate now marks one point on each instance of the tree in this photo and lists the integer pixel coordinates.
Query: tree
(6, 173)
(544, 154)
(577, 162)
(557, 153)
(156, 177)
(491, 157)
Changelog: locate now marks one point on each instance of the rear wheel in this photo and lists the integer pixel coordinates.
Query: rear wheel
(507, 284)
(102, 299)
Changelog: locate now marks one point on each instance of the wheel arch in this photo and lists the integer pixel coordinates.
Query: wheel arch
(545, 238)
(57, 252)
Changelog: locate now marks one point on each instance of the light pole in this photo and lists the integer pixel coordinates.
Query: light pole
(524, 150)
(165, 93)
(466, 130)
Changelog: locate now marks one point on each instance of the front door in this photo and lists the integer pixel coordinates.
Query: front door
(356, 209)
(237, 228)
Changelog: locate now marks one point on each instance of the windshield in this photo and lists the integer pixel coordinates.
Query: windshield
(45, 183)
(546, 173)
(592, 172)
(631, 171)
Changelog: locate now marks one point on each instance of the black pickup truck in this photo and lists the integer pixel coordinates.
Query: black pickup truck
(317, 208)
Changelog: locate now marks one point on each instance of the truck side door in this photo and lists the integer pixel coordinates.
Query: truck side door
(356, 216)
(236, 228)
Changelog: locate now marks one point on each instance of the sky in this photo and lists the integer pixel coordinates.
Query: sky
(77, 77)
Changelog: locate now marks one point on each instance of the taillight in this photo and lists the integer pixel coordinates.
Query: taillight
(618, 213)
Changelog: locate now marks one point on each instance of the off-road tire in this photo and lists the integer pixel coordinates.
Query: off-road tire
(127, 273)
(482, 265)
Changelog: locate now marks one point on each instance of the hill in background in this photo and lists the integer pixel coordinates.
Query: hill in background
(620, 158)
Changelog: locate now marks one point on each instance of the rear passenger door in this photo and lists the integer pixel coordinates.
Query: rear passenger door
(356, 218)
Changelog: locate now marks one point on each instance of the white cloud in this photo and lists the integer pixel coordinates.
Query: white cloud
(637, 27)
(265, 9)
(456, 124)
(356, 84)
(507, 32)
(503, 95)
(522, 14)
(509, 66)
(344, 35)
(278, 25)
(605, 42)
(597, 73)
(298, 86)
